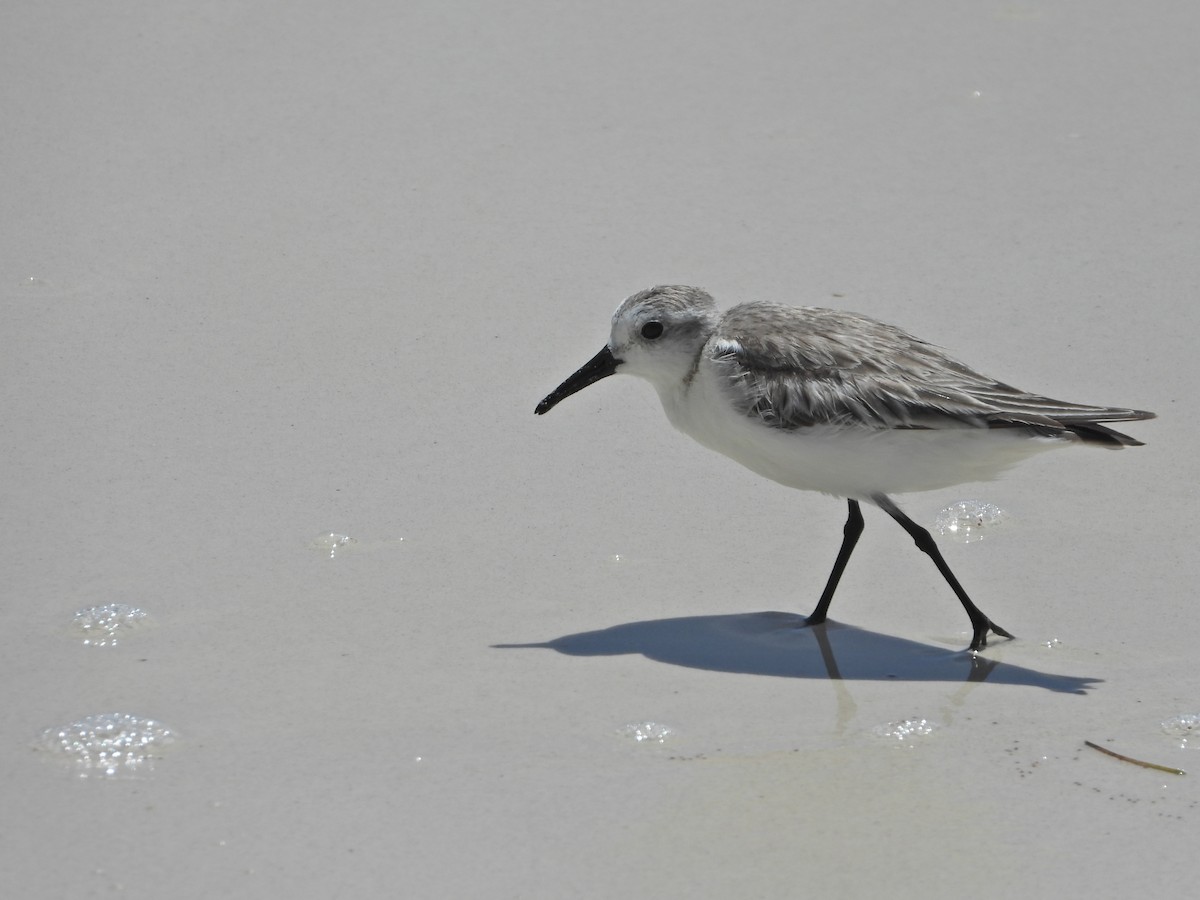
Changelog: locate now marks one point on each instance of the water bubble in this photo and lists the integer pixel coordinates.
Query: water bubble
(647, 731)
(109, 745)
(103, 626)
(32, 281)
(968, 521)
(331, 543)
(905, 730)
(1182, 727)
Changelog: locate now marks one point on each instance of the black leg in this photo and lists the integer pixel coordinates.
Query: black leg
(980, 624)
(851, 531)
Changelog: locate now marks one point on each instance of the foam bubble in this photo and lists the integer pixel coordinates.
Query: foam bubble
(109, 745)
(331, 542)
(968, 521)
(905, 730)
(1184, 727)
(655, 732)
(104, 626)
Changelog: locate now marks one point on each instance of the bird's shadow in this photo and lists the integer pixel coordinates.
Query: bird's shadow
(778, 644)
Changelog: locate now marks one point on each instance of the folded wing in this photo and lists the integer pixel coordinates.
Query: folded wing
(798, 367)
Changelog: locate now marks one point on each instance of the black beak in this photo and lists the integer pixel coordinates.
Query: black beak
(599, 366)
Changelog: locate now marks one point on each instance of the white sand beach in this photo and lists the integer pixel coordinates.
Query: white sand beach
(272, 271)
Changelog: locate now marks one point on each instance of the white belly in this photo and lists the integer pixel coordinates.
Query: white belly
(846, 461)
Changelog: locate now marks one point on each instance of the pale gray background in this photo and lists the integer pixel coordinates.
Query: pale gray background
(301, 267)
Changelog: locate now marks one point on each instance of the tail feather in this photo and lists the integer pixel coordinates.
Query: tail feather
(1092, 433)
(1087, 428)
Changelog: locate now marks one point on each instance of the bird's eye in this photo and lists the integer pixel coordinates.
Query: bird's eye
(652, 330)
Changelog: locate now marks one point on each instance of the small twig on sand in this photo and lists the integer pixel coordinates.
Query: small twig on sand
(1136, 762)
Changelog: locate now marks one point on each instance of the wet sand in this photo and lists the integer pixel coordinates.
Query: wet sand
(275, 271)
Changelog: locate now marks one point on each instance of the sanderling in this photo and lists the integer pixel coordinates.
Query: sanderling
(824, 400)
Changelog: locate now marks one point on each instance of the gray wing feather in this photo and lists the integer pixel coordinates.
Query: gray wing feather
(795, 367)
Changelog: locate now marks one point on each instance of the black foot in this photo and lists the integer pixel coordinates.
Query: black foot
(981, 629)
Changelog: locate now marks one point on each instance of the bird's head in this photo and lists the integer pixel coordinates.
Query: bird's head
(657, 334)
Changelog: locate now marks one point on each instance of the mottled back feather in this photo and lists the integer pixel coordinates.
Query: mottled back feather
(795, 367)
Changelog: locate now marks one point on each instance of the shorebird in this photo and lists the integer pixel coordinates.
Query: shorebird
(831, 401)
